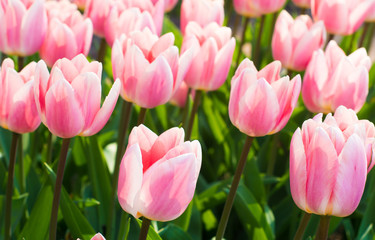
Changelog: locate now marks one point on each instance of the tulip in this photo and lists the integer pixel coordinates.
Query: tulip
(68, 99)
(23, 27)
(212, 56)
(68, 34)
(302, 3)
(256, 8)
(158, 174)
(327, 169)
(98, 236)
(294, 41)
(169, 5)
(81, 4)
(18, 111)
(180, 96)
(371, 13)
(261, 102)
(340, 17)
(98, 11)
(203, 12)
(333, 79)
(149, 67)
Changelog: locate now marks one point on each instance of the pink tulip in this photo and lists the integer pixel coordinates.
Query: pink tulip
(68, 100)
(340, 17)
(203, 12)
(333, 79)
(294, 41)
(18, 111)
(81, 4)
(213, 49)
(22, 27)
(327, 168)
(123, 21)
(256, 8)
(169, 5)
(180, 96)
(68, 34)
(302, 3)
(98, 236)
(158, 174)
(149, 67)
(371, 13)
(98, 11)
(261, 102)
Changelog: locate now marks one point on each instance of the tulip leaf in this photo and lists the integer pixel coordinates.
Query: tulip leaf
(172, 232)
(5, 140)
(152, 234)
(169, 26)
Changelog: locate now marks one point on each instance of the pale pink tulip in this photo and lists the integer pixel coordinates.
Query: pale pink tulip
(149, 67)
(18, 111)
(302, 3)
(22, 27)
(327, 168)
(98, 236)
(294, 41)
(213, 49)
(180, 96)
(68, 34)
(371, 13)
(256, 8)
(203, 12)
(333, 79)
(68, 100)
(340, 17)
(261, 102)
(169, 5)
(158, 174)
(98, 11)
(81, 4)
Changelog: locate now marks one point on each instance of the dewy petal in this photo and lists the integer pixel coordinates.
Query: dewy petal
(130, 179)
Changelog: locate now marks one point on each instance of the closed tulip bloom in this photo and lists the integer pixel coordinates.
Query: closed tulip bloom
(18, 111)
(68, 34)
(158, 174)
(261, 102)
(203, 12)
(256, 8)
(149, 67)
(68, 99)
(302, 3)
(340, 17)
(327, 168)
(333, 79)
(98, 236)
(97, 11)
(294, 41)
(212, 56)
(23, 27)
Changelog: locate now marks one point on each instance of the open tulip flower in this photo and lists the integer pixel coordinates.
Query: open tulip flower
(149, 67)
(158, 174)
(328, 168)
(23, 27)
(98, 11)
(18, 111)
(256, 8)
(68, 99)
(294, 41)
(333, 79)
(341, 17)
(213, 48)
(261, 102)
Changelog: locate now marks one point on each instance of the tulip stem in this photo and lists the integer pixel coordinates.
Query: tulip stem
(58, 186)
(186, 109)
(302, 226)
(21, 61)
(237, 20)
(322, 232)
(102, 50)
(256, 56)
(9, 191)
(369, 42)
(142, 116)
(124, 124)
(303, 11)
(363, 36)
(233, 189)
(243, 38)
(20, 162)
(49, 148)
(351, 42)
(144, 229)
(197, 99)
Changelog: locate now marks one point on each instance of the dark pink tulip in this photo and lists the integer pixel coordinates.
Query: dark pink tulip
(158, 174)
(18, 111)
(23, 27)
(256, 8)
(213, 48)
(328, 168)
(68, 99)
(203, 12)
(333, 79)
(149, 67)
(294, 41)
(261, 102)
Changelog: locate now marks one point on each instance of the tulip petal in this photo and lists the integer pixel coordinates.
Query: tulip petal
(271, 72)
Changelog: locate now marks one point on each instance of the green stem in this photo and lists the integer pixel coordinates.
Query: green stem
(322, 232)
(144, 229)
(20, 162)
(186, 109)
(102, 50)
(364, 33)
(58, 186)
(124, 124)
(243, 38)
(237, 20)
(371, 35)
(21, 61)
(9, 191)
(302, 226)
(233, 189)
(194, 111)
(349, 49)
(142, 116)
(256, 56)
(49, 147)
(303, 11)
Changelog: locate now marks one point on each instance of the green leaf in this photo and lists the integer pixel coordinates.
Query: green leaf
(169, 26)
(152, 234)
(172, 232)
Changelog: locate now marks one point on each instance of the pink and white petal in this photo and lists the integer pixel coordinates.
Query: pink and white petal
(11, 84)
(271, 72)
(13, 17)
(359, 57)
(330, 11)
(185, 61)
(345, 117)
(98, 236)
(28, 72)
(67, 67)
(164, 42)
(40, 88)
(245, 64)
(358, 15)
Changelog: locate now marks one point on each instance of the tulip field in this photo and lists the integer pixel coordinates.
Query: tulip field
(187, 120)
